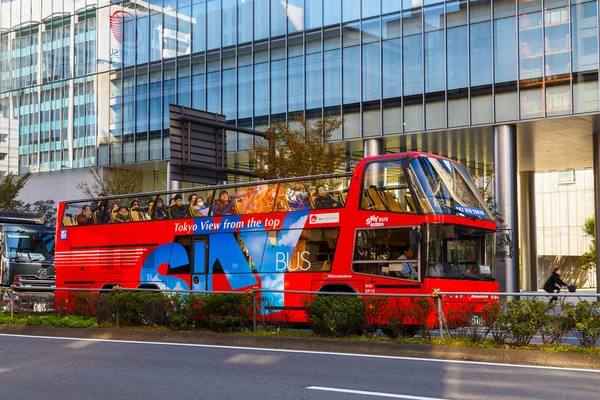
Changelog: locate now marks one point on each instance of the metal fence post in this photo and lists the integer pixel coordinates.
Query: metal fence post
(254, 309)
(438, 296)
(12, 302)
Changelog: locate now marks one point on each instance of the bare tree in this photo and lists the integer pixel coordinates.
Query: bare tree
(9, 190)
(112, 181)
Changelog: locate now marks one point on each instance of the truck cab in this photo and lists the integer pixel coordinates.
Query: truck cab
(26, 251)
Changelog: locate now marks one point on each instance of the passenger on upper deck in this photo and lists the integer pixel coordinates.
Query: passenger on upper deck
(324, 200)
(102, 215)
(200, 209)
(85, 216)
(122, 215)
(178, 210)
(134, 205)
(161, 211)
(95, 206)
(222, 204)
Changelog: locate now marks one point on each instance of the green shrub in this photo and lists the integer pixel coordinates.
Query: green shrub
(557, 325)
(522, 319)
(335, 315)
(225, 312)
(132, 308)
(420, 309)
(375, 315)
(494, 322)
(585, 317)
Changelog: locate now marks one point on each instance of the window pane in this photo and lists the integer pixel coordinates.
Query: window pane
(244, 22)
(295, 15)
(370, 71)
(245, 92)
(413, 68)
(332, 12)
(261, 89)
(481, 54)
(229, 23)
(392, 69)
(332, 77)
(531, 51)
(351, 75)
(278, 87)
(350, 10)
(214, 24)
(295, 84)
(278, 18)
(505, 50)
(388, 6)
(229, 94)
(199, 27)
(314, 81)
(214, 92)
(585, 38)
(313, 14)
(435, 68)
(261, 19)
(557, 43)
(198, 92)
(457, 58)
(390, 26)
(370, 8)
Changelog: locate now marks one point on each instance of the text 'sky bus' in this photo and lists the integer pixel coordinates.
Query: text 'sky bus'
(400, 223)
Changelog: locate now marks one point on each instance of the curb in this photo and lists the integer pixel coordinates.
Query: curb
(500, 356)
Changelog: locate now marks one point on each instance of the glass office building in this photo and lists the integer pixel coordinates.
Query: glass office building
(88, 82)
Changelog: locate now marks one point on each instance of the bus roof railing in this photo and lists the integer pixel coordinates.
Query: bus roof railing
(213, 187)
(25, 218)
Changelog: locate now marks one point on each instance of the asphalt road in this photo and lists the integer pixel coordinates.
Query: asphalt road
(52, 368)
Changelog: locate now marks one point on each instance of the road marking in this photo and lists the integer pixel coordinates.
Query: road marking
(378, 394)
(326, 353)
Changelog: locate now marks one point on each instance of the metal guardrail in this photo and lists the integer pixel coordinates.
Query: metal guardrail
(8, 296)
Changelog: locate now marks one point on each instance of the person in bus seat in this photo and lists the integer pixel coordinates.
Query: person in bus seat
(171, 201)
(223, 205)
(323, 199)
(122, 215)
(96, 206)
(200, 209)
(102, 215)
(178, 210)
(408, 269)
(85, 216)
(161, 211)
(192, 203)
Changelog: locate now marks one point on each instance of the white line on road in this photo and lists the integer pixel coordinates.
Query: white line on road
(326, 353)
(378, 394)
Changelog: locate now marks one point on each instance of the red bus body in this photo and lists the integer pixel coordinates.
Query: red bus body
(240, 252)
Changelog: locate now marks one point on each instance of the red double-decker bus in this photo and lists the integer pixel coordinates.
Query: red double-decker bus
(400, 223)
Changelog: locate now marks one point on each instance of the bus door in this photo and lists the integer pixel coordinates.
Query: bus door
(200, 262)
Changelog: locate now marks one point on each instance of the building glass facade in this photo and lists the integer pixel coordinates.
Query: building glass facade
(88, 82)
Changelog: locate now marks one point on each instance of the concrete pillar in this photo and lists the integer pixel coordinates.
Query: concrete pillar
(171, 184)
(505, 166)
(373, 147)
(596, 158)
(527, 230)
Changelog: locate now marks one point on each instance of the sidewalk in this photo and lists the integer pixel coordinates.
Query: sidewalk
(523, 357)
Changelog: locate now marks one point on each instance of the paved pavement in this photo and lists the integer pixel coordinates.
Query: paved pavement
(54, 368)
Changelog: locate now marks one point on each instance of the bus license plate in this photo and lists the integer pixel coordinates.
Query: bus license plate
(476, 319)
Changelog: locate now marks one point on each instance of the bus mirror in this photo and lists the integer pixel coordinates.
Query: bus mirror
(414, 238)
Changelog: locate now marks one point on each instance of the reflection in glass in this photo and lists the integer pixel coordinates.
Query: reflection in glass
(457, 58)
(413, 68)
(531, 45)
(295, 15)
(351, 73)
(505, 50)
(371, 71)
(585, 37)
(392, 69)
(481, 54)
(435, 68)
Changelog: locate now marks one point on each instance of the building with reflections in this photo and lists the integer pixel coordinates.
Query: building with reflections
(505, 82)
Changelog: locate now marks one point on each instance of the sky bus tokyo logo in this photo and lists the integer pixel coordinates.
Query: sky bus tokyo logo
(124, 29)
(374, 220)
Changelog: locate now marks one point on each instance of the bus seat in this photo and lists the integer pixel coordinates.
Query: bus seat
(365, 202)
(343, 197)
(410, 202)
(113, 216)
(136, 216)
(68, 220)
(192, 210)
(75, 219)
(392, 203)
(311, 200)
(376, 199)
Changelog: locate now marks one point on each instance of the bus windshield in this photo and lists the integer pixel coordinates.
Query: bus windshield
(29, 246)
(459, 252)
(447, 187)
